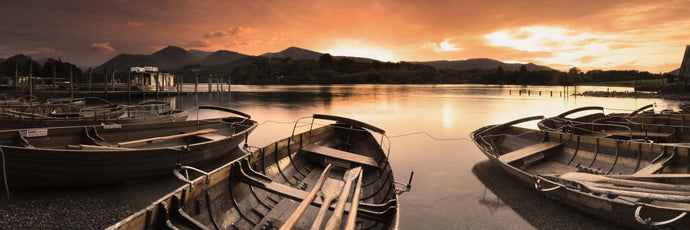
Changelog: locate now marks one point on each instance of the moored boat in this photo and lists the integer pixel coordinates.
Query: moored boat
(276, 186)
(104, 154)
(635, 184)
(148, 111)
(640, 125)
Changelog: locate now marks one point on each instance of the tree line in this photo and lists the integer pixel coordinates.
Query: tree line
(330, 70)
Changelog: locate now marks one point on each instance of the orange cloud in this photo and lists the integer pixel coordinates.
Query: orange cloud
(134, 24)
(103, 48)
(44, 52)
(198, 44)
(230, 32)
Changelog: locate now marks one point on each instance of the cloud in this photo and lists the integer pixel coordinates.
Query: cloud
(103, 48)
(230, 32)
(198, 44)
(44, 52)
(444, 46)
(134, 24)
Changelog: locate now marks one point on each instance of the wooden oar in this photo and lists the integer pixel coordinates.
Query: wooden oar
(292, 221)
(337, 217)
(352, 216)
(330, 190)
(586, 177)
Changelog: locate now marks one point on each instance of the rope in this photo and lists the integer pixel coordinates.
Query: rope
(4, 173)
(431, 136)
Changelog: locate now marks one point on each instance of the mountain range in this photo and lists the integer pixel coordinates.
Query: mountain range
(174, 58)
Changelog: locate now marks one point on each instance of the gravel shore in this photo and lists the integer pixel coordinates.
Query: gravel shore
(95, 207)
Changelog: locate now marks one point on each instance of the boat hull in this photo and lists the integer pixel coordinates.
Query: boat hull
(53, 158)
(262, 189)
(625, 211)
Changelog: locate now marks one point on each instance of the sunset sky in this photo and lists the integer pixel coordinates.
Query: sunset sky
(588, 34)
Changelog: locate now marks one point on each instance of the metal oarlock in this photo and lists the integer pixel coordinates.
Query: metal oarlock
(648, 220)
(401, 188)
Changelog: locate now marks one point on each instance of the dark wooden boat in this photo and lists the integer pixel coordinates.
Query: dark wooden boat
(635, 184)
(103, 154)
(638, 125)
(148, 111)
(275, 186)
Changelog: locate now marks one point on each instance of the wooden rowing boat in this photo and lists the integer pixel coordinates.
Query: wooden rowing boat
(634, 184)
(104, 154)
(638, 125)
(275, 187)
(148, 111)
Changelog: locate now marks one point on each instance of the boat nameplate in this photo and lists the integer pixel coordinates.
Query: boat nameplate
(34, 132)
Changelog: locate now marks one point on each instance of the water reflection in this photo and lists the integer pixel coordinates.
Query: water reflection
(535, 208)
(445, 193)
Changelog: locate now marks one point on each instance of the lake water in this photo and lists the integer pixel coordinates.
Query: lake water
(454, 186)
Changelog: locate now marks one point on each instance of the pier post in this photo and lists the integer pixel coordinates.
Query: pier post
(551, 93)
(529, 92)
(71, 83)
(229, 82)
(112, 79)
(510, 92)
(210, 83)
(218, 83)
(89, 78)
(196, 90)
(157, 85)
(129, 87)
(105, 82)
(519, 92)
(16, 76)
(31, 87)
(539, 92)
(54, 73)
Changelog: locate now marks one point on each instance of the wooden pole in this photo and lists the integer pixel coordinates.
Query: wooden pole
(31, 87)
(54, 73)
(129, 87)
(71, 83)
(89, 78)
(157, 86)
(112, 79)
(105, 81)
(210, 82)
(16, 76)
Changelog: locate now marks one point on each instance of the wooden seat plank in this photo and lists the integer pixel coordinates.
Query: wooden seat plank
(212, 136)
(654, 167)
(639, 134)
(342, 155)
(134, 143)
(528, 151)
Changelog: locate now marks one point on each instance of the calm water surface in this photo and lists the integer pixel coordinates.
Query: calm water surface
(454, 186)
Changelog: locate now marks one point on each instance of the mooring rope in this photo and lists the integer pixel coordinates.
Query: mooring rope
(391, 137)
(431, 136)
(4, 173)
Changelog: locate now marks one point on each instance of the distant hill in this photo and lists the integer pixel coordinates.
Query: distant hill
(222, 57)
(123, 62)
(172, 58)
(200, 53)
(294, 53)
(481, 63)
